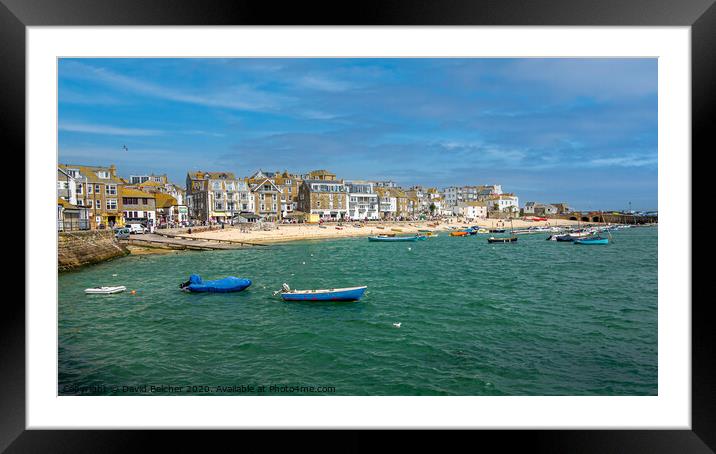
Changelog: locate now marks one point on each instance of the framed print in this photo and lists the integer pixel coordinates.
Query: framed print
(276, 221)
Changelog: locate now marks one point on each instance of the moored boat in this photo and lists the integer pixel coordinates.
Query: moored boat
(592, 240)
(392, 238)
(511, 239)
(105, 290)
(334, 294)
(195, 284)
(458, 233)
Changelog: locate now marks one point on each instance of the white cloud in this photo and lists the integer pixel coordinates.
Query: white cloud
(324, 84)
(238, 97)
(108, 130)
(625, 161)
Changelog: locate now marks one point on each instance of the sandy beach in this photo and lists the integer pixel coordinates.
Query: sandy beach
(294, 232)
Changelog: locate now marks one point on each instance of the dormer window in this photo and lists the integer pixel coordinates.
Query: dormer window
(103, 174)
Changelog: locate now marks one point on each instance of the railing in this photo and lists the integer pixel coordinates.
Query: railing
(72, 225)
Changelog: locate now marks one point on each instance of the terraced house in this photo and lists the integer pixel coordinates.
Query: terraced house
(98, 189)
(139, 207)
(326, 197)
(287, 182)
(215, 196)
(267, 199)
(362, 200)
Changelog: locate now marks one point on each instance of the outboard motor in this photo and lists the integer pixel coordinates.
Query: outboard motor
(285, 287)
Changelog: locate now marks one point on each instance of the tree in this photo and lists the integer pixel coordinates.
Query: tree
(432, 208)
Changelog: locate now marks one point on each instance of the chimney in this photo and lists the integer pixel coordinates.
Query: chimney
(113, 170)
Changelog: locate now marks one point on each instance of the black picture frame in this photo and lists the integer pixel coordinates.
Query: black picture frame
(700, 15)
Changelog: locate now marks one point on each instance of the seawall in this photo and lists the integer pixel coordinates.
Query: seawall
(78, 249)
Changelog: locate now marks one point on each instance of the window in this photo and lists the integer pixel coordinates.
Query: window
(262, 207)
(217, 195)
(318, 203)
(111, 204)
(98, 204)
(103, 174)
(274, 207)
(145, 201)
(89, 189)
(219, 206)
(97, 188)
(111, 189)
(78, 189)
(79, 202)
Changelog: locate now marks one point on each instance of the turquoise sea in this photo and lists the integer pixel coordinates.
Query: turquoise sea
(532, 318)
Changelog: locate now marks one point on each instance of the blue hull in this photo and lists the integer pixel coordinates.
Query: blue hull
(592, 241)
(341, 295)
(225, 285)
(393, 238)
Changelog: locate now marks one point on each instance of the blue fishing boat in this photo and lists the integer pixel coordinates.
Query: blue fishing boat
(228, 284)
(392, 238)
(592, 240)
(334, 294)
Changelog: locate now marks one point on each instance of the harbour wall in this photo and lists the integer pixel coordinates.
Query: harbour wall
(78, 249)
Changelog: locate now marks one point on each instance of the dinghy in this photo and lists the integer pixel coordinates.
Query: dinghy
(492, 239)
(334, 294)
(459, 233)
(592, 240)
(228, 284)
(105, 290)
(392, 238)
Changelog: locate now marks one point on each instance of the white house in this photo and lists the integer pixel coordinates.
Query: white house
(362, 200)
(470, 210)
(504, 202)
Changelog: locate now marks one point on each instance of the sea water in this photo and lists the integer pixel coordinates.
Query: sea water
(534, 317)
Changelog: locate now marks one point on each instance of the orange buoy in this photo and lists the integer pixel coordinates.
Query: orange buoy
(133, 292)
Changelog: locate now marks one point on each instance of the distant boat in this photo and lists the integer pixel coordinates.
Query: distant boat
(339, 228)
(105, 290)
(392, 238)
(511, 239)
(397, 230)
(422, 237)
(592, 240)
(566, 237)
(334, 294)
(458, 233)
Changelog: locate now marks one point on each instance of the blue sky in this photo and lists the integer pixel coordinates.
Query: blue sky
(582, 131)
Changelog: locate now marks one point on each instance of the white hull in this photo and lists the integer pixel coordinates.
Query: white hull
(105, 290)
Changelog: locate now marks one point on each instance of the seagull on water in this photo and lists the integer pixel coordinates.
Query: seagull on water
(397, 325)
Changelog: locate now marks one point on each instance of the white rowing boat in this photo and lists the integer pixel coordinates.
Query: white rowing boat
(105, 290)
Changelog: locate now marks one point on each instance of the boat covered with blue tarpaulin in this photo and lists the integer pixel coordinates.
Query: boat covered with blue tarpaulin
(228, 284)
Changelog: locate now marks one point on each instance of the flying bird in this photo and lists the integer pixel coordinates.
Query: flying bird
(124, 147)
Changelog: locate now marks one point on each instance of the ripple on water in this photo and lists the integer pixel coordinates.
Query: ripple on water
(532, 318)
